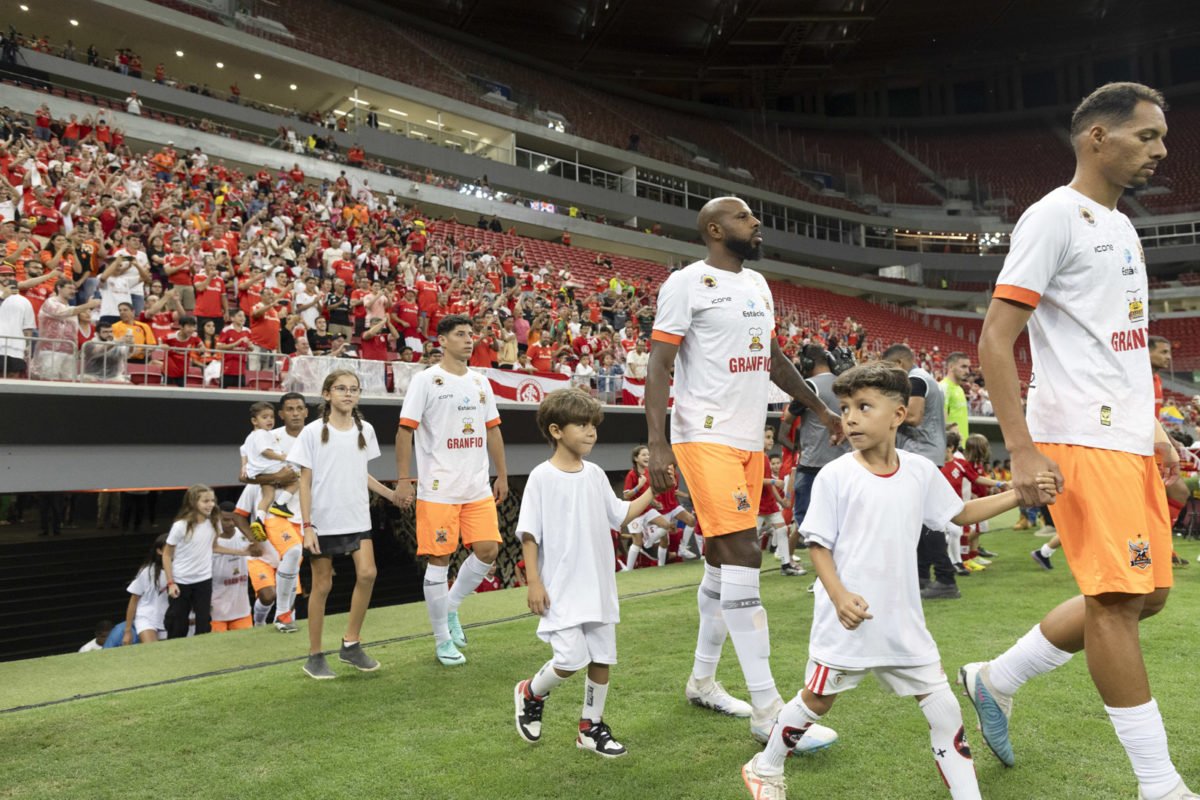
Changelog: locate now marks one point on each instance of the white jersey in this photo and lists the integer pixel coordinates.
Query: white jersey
(192, 561)
(152, 597)
(230, 598)
(871, 524)
(258, 442)
(724, 323)
(450, 415)
(569, 515)
(1081, 267)
(341, 499)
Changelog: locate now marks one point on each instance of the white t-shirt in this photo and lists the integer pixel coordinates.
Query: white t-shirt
(569, 515)
(16, 317)
(118, 289)
(341, 499)
(193, 556)
(1081, 266)
(309, 315)
(451, 415)
(872, 525)
(724, 323)
(258, 441)
(230, 598)
(152, 597)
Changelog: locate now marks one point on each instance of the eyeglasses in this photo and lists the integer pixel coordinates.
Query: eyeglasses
(346, 390)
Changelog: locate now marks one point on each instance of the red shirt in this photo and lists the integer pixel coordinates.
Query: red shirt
(36, 295)
(176, 357)
(416, 242)
(1158, 395)
(264, 331)
(584, 345)
(407, 313)
(208, 301)
(375, 348)
(767, 504)
(427, 295)
(484, 354)
(540, 357)
(360, 310)
(494, 277)
(184, 276)
(345, 270)
(235, 360)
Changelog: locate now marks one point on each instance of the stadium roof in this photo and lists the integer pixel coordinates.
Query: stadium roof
(745, 52)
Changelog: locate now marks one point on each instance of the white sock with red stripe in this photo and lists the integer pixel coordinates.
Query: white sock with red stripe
(436, 599)
(285, 583)
(794, 720)
(742, 607)
(470, 575)
(1032, 655)
(949, 741)
(713, 632)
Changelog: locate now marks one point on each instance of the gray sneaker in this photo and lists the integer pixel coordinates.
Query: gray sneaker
(286, 627)
(940, 591)
(354, 654)
(316, 667)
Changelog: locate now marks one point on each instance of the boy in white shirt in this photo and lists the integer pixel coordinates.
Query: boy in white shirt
(262, 456)
(566, 515)
(862, 528)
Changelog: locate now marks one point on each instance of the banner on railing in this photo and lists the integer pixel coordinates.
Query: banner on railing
(307, 373)
(524, 387)
(402, 375)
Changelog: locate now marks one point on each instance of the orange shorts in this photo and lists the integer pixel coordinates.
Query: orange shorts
(262, 574)
(232, 625)
(1112, 519)
(441, 525)
(283, 534)
(725, 484)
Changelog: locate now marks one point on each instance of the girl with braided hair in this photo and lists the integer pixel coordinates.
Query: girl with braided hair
(332, 454)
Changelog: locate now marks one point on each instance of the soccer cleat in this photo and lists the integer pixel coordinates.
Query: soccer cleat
(940, 591)
(987, 553)
(793, 569)
(354, 655)
(1041, 560)
(1177, 560)
(816, 738)
(286, 623)
(961, 570)
(257, 531)
(712, 695)
(315, 667)
(974, 566)
(1180, 792)
(687, 555)
(457, 635)
(596, 737)
(528, 714)
(993, 708)
(981, 561)
(448, 654)
(763, 787)
(280, 510)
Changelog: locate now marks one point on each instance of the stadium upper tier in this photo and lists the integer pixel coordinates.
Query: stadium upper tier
(996, 170)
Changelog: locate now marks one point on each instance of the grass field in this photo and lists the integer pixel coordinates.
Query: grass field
(417, 730)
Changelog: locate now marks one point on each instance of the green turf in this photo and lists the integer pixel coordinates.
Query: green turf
(417, 730)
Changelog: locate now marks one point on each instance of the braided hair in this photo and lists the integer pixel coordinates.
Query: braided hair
(326, 407)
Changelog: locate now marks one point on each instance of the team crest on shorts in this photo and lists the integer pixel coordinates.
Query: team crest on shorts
(468, 425)
(743, 502)
(441, 536)
(709, 281)
(1086, 214)
(1139, 554)
(756, 339)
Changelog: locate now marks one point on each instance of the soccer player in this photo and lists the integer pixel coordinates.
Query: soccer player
(1076, 275)
(958, 367)
(867, 512)
(451, 413)
(715, 326)
(566, 513)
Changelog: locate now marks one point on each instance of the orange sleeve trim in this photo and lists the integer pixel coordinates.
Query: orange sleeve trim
(1019, 294)
(242, 513)
(492, 423)
(663, 336)
(409, 423)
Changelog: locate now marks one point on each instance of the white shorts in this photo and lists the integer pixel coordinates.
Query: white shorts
(145, 624)
(903, 681)
(774, 520)
(651, 533)
(576, 647)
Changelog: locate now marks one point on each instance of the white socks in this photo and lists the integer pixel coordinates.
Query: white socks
(949, 741)
(437, 600)
(631, 557)
(742, 608)
(594, 695)
(285, 580)
(283, 497)
(689, 533)
(1144, 738)
(713, 632)
(1047, 551)
(662, 553)
(545, 681)
(261, 612)
(470, 575)
(781, 546)
(1032, 655)
(794, 720)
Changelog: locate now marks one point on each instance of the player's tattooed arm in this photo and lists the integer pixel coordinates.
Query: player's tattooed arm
(785, 375)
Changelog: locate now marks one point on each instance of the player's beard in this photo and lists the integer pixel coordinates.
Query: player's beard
(745, 250)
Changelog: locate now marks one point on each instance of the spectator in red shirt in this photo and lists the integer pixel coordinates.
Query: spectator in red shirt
(484, 352)
(405, 314)
(264, 331)
(178, 361)
(234, 342)
(211, 303)
(375, 339)
(358, 305)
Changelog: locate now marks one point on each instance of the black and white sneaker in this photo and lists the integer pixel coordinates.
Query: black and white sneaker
(280, 510)
(1041, 560)
(528, 712)
(597, 738)
(961, 571)
(792, 568)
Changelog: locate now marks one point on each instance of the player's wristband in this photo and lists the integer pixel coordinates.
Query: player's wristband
(308, 525)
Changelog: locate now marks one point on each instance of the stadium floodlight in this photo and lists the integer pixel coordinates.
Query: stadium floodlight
(469, 133)
(397, 112)
(258, 76)
(74, 23)
(384, 125)
(293, 87)
(24, 7)
(179, 53)
(220, 65)
(356, 101)
(433, 122)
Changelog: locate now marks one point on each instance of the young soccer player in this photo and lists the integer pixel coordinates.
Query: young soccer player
(862, 526)
(230, 600)
(335, 488)
(566, 514)
(262, 455)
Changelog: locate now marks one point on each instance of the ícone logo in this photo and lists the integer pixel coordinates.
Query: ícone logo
(1137, 309)
(1086, 214)
(482, 397)
(743, 502)
(468, 425)
(1139, 554)
(756, 339)
(709, 281)
(1106, 416)
(442, 536)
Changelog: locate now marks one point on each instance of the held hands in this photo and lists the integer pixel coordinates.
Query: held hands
(851, 610)
(833, 424)
(661, 468)
(1028, 464)
(538, 600)
(172, 591)
(405, 493)
(1168, 461)
(1047, 483)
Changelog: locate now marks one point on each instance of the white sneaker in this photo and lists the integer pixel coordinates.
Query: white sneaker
(981, 561)
(1180, 792)
(763, 787)
(711, 694)
(687, 555)
(816, 738)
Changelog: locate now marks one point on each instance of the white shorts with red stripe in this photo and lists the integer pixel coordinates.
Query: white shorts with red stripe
(903, 681)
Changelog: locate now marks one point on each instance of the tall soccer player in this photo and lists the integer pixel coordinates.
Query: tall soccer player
(451, 414)
(715, 326)
(1076, 275)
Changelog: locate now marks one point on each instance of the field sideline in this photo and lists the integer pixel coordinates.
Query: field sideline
(418, 730)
